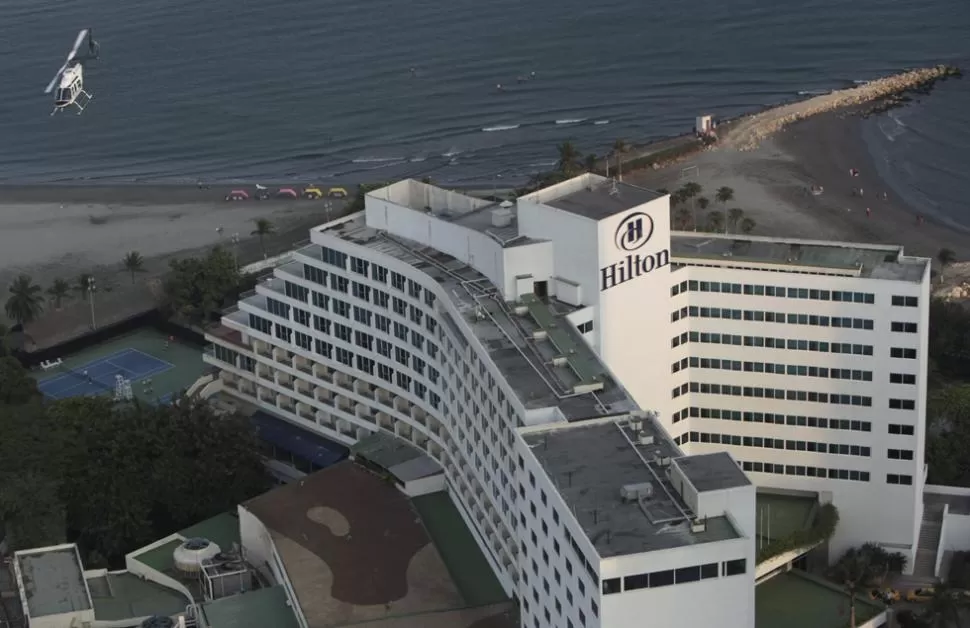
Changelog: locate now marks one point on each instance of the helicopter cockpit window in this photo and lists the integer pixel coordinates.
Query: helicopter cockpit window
(62, 94)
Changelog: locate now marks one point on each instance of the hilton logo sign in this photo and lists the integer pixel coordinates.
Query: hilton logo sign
(631, 235)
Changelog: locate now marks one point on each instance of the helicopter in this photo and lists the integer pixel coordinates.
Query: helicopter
(69, 80)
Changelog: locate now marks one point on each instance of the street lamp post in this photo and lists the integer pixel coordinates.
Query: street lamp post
(234, 238)
(92, 288)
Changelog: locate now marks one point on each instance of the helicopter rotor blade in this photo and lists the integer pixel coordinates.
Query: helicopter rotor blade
(56, 78)
(77, 44)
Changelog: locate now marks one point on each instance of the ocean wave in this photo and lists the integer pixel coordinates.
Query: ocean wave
(570, 120)
(600, 122)
(814, 92)
(452, 152)
(374, 160)
(500, 127)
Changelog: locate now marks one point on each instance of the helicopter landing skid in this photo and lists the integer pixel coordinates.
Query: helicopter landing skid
(81, 102)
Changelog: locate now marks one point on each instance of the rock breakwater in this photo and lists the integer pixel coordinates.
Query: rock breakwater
(886, 92)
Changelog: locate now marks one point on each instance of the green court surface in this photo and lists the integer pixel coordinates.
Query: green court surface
(159, 369)
(462, 556)
(798, 600)
(777, 516)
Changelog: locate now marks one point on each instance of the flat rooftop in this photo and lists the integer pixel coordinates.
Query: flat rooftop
(53, 580)
(590, 463)
(261, 608)
(712, 472)
(401, 459)
(798, 600)
(602, 198)
(119, 596)
(354, 548)
(874, 261)
(507, 336)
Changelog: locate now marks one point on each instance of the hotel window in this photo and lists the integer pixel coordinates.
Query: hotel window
(303, 341)
(585, 328)
(902, 404)
(260, 324)
(359, 266)
(365, 364)
(397, 281)
(340, 284)
(404, 381)
(735, 567)
(334, 258)
(900, 454)
(314, 274)
(414, 289)
(378, 273)
(892, 478)
(902, 378)
(321, 324)
(301, 316)
(901, 430)
(284, 333)
(908, 328)
(385, 372)
(323, 348)
(278, 307)
(362, 316)
(901, 301)
(341, 308)
(296, 292)
(901, 352)
(321, 300)
(360, 291)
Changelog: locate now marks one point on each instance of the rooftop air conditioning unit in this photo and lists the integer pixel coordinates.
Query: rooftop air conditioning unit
(698, 525)
(644, 438)
(635, 492)
(192, 554)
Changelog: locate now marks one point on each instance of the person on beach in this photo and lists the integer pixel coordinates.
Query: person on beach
(868, 212)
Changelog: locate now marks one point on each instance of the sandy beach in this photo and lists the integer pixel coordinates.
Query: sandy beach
(772, 183)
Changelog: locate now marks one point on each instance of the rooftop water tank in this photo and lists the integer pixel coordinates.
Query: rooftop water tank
(190, 555)
(501, 217)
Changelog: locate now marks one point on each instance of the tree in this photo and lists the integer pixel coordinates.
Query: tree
(943, 608)
(856, 569)
(688, 192)
(568, 162)
(16, 385)
(25, 302)
(683, 219)
(734, 218)
(724, 195)
(703, 203)
(263, 228)
(747, 224)
(619, 148)
(133, 263)
(715, 222)
(590, 161)
(945, 257)
(82, 283)
(58, 291)
(196, 288)
(113, 477)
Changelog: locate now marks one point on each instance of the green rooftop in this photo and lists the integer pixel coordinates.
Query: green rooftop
(125, 596)
(569, 345)
(465, 562)
(263, 608)
(223, 530)
(160, 558)
(798, 600)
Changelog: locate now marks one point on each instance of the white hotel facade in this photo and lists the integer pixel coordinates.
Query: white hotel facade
(517, 345)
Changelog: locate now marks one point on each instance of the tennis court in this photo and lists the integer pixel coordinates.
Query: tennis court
(98, 376)
(158, 367)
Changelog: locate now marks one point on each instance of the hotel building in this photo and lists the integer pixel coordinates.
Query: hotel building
(559, 356)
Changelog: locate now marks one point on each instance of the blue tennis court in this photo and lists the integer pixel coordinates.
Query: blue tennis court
(98, 376)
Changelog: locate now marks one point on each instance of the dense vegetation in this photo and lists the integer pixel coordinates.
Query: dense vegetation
(948, 404)
(113, 477)
(197, 289)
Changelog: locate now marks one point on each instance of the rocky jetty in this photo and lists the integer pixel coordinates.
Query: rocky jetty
(884, 93)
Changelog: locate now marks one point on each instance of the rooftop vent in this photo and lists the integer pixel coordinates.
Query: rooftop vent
(501, 217)
(698, 525)
(158, 622)
(190, 555)
(644, 437)
(635, 492)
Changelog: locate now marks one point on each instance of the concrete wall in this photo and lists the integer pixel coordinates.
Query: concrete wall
(140, 569)
(423, 486)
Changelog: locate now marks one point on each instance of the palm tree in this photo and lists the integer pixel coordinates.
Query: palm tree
(590, 162)
(688, 192)
(747, 224)
(715, 222)
(133, 263)
(619, 147)
(723, 195)
(943, 609)
(58, 291)
(683, 219)
(856, 568)
(703, 203)
(264, 228)
(734, 217)
(945, 257)
(25, 302)
(568, 159)
(82, 283)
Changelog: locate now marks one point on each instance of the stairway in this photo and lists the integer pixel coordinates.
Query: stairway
(929, 541)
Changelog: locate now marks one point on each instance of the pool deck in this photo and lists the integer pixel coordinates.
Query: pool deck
(798, 600)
